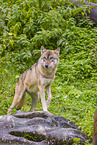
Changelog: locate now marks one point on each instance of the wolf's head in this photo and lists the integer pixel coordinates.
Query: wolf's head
(49, 58)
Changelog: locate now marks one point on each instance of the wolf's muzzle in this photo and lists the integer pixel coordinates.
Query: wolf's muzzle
(46, 65)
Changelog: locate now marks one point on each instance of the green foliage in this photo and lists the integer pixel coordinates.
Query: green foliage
(25, 26)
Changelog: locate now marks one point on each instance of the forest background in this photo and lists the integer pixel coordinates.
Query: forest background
(25, 25)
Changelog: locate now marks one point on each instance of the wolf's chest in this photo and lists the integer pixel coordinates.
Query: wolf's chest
(45, 81)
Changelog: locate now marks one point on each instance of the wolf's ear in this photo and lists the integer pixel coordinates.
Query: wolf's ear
(57, 51)
(42, 49)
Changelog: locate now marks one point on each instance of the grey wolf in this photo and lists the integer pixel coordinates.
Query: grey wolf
(36, 79)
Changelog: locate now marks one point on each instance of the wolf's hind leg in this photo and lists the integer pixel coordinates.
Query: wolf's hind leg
(34, 97)
(16, 100)
(21, 102)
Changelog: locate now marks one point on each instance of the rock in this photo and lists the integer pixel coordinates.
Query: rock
(93, 15)
(38, 128)
(93, 11)
(95, 129)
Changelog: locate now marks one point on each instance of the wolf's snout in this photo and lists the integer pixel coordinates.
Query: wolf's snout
(46, 65)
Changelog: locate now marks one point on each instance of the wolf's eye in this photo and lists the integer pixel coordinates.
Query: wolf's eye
(44, 58)
(52, 58)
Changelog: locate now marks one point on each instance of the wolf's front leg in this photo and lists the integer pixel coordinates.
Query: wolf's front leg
(42, 95)
(48, 89)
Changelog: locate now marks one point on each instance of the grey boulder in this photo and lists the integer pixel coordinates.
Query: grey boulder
(39, 128)
(93, 11)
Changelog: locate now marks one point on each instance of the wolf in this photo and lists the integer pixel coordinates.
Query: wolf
(34, 80)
